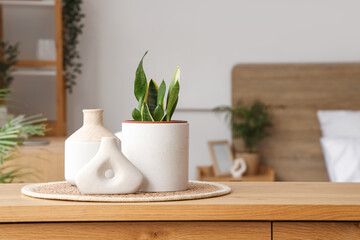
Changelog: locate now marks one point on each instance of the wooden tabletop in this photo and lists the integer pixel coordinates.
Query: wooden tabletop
(260, 201)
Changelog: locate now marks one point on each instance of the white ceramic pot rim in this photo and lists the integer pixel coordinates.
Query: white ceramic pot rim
(148, 122)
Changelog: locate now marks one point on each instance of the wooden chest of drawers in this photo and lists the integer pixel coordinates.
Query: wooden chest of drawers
(274, 210)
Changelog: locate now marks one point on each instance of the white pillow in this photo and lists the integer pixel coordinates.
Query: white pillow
(342, 157)
(339, 123)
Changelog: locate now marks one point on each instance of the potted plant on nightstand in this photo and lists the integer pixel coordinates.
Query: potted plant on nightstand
(251, 124)
(157, 145)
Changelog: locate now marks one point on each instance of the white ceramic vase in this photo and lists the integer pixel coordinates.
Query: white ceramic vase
(160, 150)
(238, 168)
(109, 171)
(83, 144)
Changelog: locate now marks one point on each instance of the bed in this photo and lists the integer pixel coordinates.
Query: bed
(294, 150)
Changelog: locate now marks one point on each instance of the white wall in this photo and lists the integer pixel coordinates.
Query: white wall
(206, 38)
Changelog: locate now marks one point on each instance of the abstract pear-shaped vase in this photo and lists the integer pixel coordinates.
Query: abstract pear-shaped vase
(83, 144)
(109, 172)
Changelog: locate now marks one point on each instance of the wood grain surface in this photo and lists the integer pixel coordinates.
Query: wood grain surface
(316, 230)
(138, 230)
(259, 201)
(60, 80)
(293, 150)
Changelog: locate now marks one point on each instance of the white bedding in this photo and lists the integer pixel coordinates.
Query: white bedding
(342, 157)
(341, 144)
(339, 123)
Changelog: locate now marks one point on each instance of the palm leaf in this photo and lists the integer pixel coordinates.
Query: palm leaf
(12, 134)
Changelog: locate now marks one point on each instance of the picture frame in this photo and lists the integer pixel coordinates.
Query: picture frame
(222, 157)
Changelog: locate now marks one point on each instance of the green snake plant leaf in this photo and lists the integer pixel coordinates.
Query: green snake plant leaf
(140, 84)
(174, 80)
(173, 109)
(161, 93)
(172, 100)
(158, 113)
(136, 115)
(145, 113)
(152, 95)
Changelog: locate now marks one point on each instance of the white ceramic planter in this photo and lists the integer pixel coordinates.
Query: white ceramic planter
(83, 144)
(160, 151)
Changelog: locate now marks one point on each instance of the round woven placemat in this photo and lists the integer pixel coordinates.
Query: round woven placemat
(66, 191)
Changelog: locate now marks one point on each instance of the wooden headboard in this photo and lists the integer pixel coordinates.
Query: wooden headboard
(293, 150)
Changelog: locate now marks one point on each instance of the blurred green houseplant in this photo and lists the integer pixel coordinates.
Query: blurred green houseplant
(248, 122)
(9, 53)
(12, 134)
(150, 97)
(72, 17)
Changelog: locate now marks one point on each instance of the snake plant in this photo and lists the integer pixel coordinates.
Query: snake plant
(151, 97)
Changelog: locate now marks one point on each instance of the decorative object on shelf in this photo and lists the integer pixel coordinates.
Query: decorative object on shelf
(109, 171)
(150, 97)
(72, 17)
(9, 53)
(66, 191)
(12, 134)
(46, 50)
(83, 144)
(221, 156)
(238, 168)
(160, 151)
(250, 123)
(252, 162)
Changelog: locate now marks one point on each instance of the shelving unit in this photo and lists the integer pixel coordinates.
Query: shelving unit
(29, 2)
(46, 68)
(35, 63)
(39, 71)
